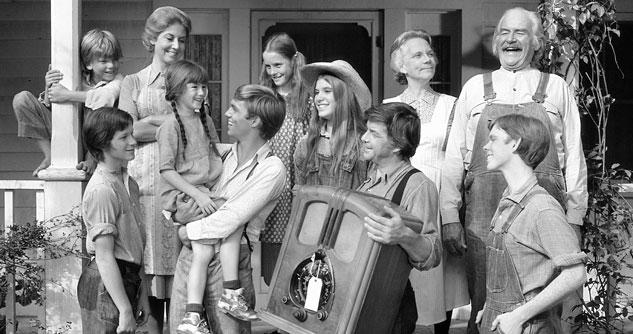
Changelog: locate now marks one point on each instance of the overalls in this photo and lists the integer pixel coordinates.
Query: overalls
(351, 172)
(503, 287)
(483, 188)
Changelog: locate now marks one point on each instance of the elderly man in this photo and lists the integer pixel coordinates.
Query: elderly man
(514, 88)
(393, 134)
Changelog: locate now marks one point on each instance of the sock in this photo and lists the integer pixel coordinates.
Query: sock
(232, 285)
(195, 308)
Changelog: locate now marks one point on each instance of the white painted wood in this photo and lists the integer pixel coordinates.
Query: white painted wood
(10, 300)
(21, 185)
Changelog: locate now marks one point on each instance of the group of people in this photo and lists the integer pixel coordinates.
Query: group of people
(497, 176)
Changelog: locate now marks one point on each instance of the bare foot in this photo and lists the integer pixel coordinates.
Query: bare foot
(43, 165)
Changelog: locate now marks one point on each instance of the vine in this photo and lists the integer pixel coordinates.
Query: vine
(580, 35)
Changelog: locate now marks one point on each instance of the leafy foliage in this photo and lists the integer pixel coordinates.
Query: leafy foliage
(25, 247)
(580, 34)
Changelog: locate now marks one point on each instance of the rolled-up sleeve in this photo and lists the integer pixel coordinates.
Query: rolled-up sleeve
(127, 98)
(100, 212)
(557, 238)
(575, 164)
(263, 186)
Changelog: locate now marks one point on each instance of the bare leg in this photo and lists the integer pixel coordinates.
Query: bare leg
(45, 147)
(230, 256)
(197, 281)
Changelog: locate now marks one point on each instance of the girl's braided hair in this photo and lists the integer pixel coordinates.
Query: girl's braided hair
(177, 76)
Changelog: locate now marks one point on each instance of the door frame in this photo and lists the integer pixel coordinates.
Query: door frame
(370, 20)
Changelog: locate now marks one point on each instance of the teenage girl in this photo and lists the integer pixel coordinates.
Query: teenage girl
(281, 71)
(190, 164)
(111, 290)
(330, 152)
(143, 97)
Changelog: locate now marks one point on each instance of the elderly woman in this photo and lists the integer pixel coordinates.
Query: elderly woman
(413, 61)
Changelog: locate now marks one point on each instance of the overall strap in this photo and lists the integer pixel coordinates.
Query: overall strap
(397, 195)
(539, 96)
(489, 91)
(517, 208)
(448, 126)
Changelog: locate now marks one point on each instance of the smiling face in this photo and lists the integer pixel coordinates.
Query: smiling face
(279, 69)
(238, 121)
(514, 41)
(103, 69)
(499, 149)
(418, 60)
(324, 99)
(121, 148)
(192, 98)
(169, 46)
(377, 146)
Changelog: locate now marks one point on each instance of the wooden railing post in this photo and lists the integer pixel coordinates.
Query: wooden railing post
(64, 184)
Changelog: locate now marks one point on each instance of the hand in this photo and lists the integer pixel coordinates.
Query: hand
(127, 323)
(205, 203)
(143, 310)
(57, 93)
(385, 230)
(187, 210)
(184, 238)
(508, 323)
(453, 238)
(52, 77)
(87, 166)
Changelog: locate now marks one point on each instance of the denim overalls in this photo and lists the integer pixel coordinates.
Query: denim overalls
(503, 289)
(349, 175)
(483, 188)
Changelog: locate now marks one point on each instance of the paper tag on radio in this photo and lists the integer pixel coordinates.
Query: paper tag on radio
(315, 285)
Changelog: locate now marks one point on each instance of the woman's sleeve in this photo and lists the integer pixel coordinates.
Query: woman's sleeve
(127, 98)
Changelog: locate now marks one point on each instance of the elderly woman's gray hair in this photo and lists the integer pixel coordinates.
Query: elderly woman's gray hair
(396, 53)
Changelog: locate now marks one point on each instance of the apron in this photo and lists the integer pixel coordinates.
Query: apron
(483, 188)
(503, 289)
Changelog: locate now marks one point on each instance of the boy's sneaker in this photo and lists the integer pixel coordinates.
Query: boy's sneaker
(192, 323)
(233, 303)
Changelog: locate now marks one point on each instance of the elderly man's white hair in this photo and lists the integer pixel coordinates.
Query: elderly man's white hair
(538, 37)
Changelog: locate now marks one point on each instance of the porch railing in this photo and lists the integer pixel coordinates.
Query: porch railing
(9, 187)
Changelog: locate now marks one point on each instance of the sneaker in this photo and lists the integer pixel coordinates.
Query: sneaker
(232, 302)
(193, 324)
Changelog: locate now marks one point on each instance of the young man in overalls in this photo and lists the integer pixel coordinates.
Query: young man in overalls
(392, 136)
(514, 88)
(529, 241)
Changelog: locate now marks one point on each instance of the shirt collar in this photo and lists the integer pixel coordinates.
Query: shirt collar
(261, 154)
(388, 174)
(427, 96)
(525, 70)
(154, 73)
(518, 195)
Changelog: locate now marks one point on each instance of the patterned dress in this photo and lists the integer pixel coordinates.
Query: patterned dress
(283, 146)
(444, 287)
(142, 95)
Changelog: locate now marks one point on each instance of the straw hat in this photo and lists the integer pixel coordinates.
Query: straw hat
(344, 71)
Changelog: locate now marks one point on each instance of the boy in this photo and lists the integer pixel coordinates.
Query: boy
(100, 53)
(111, 290)
(533, 255)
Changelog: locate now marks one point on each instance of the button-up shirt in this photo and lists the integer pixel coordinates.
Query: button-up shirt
(419, 199)
(514, 88)
(539, 240)
(110, 206)
(251, 192)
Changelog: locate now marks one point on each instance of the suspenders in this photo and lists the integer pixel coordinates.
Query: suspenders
(538, 97)
(397, 195)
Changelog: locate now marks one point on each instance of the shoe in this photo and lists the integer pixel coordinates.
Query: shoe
(193, 324)
(232, 302)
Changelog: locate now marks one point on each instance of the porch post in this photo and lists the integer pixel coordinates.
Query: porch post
(64, 184)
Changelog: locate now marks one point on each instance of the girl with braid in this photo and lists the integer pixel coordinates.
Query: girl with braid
(190, 164)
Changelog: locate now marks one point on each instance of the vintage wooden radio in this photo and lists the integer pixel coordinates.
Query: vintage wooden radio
(330, 276)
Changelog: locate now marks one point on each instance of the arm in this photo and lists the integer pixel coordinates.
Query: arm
(203, 200)
(575, 164)
(570, 279)
(105, 95)
(58, 93)
(299, 157)
(111, 276)
(423, 248)
(265, 185)
(145, 128)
